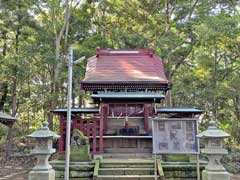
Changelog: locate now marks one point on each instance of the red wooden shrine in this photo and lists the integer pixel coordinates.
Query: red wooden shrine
(126, 87)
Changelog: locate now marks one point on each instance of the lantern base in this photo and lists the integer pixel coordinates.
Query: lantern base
(215, 175)
(42, 175)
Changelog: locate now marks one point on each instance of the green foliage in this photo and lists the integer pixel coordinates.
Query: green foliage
(231, 162)
(199, 42)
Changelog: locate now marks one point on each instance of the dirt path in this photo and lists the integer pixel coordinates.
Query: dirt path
(17, 175)
(235, 177)
(12, 172)
(16, 168)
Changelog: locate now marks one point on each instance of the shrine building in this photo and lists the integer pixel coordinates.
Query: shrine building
(126, 88)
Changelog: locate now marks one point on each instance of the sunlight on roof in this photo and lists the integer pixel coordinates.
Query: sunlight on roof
(123, 52)
(136, 74)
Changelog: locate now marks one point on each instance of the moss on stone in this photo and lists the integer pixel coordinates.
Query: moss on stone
(176, 158)
(80, 153)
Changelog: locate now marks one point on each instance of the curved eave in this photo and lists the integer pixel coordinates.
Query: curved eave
(179, 110)
(76, 110)
(43, 134)
(213, 133)
(7, 117)
(99, 85)
(128, 96)
(7, 120)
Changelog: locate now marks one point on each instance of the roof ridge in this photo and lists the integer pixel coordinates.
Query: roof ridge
(121, 52)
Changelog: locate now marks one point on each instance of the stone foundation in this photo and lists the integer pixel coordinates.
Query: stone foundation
(42, 175)
(215, 175)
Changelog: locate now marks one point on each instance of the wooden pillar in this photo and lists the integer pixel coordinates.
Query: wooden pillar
(88, 129)
(81, 124)
(106, 110)
(146, 115)
(61, 143)
(94, 136)
(101, 128)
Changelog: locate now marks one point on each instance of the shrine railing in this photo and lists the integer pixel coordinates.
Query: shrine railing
(90, 128)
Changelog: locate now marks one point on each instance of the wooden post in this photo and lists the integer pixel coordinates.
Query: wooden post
(81, 124)
(198, 167)
(101, 129)
(106, 110)
(88, 129)
(146, 115)
(155, 167)
(61, 143)
(94, 136)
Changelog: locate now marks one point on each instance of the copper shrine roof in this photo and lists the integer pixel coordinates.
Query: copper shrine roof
(124, 67)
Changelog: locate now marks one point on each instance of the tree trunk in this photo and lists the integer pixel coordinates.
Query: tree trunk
(169, 77)
(236, 107)
(4, 90)
(14, 109)
(4, 51)
(9, 143)
(80, 100)
(52, 105)
(169, 93)
(55, 84)
(14, 96)
(235, 126)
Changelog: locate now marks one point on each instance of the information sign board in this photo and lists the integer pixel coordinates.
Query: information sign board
(175, 136)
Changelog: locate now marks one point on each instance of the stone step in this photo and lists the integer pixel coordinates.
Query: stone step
(182, 178)
(127, 155)
(75, 174)
(78, 170)
(128, 163)
(126, 171)
(62, 162)
(129, 160)
(126, 177)
(75, 167)
(74, 178)
(180, 174)
(174, 167)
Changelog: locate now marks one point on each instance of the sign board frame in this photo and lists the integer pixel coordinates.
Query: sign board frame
(186, 133)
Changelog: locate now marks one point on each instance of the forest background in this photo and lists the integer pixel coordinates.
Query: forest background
(198, 40)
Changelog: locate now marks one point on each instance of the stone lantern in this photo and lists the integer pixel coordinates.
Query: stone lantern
(213, 139)
(43, 149)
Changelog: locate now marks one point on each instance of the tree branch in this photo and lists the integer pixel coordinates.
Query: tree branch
(191, 12)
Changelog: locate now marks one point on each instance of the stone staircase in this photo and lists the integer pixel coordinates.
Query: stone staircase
(120, 169)
(127, 169)
(78, 170)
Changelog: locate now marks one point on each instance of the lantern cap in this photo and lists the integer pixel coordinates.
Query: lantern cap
(213, 132)
(44, 132)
